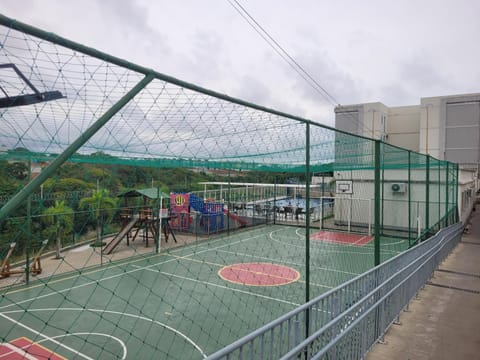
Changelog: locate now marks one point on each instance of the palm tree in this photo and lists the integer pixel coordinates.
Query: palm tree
(101, 205)
(60, 219)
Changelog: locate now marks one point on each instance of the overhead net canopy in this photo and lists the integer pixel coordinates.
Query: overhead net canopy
(237, 243)
(165, 123)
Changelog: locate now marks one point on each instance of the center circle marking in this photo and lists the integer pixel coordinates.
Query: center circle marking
(259, 274)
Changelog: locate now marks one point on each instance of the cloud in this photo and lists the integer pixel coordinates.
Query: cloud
(205, 61)
(338, 83)
(359, 52)
(416, 73)
(253, 90)
(397, 94)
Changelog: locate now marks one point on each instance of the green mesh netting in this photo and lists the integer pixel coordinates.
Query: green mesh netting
(144, 217)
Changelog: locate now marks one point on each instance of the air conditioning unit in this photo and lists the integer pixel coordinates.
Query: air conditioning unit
(399, 187)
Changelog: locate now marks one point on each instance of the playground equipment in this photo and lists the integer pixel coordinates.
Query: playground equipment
(235, 217)
(144, 222)
(132, 224)
(206, 215)
(35, 268)
(211, 212)
(125, 231)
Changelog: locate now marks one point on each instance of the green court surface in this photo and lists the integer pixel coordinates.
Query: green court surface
(176, 304)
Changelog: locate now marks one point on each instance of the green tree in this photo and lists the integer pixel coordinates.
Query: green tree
(60, 220)
(67, 185)
(17, 170)
(102, 207)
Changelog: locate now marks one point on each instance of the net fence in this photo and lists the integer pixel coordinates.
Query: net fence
(143, 216)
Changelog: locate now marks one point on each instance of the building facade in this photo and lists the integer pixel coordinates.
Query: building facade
(445, 127)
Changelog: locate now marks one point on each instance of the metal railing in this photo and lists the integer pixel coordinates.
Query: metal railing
(345, 322)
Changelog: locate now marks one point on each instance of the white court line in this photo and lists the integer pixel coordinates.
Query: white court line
(116, 313)
(26, 355)
(323, 246)
(46, 337)
(288, 262)
(76, 276)
(361, 238)
(367, 245)
(335, 244)
(114, 266)
(96, 282)
(223, 287)
(395, 243)
(122, 344)
(122, 264)
(16, 350)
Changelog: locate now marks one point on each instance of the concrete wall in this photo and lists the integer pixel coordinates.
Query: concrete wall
(450, 128)
(367, 120)
(375, 120)
(446, 127)
(430, 137)
(403, 127)
(349, 118)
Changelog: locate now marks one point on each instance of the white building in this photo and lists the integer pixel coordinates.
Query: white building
(445, 127)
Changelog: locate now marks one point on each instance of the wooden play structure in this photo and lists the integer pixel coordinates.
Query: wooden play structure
(140, 221)
(35, 267)
(144, 223)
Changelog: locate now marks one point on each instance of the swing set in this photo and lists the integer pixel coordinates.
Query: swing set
(35, 268)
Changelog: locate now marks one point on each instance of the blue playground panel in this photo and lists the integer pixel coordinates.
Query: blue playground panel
(212, 213)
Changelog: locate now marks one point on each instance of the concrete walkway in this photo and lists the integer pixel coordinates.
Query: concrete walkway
(444, 321)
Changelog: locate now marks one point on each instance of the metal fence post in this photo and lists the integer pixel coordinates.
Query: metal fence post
(427, 197)
(409, 199)
(457, 215)
(447, 189)
(377, 202)
(307, 227)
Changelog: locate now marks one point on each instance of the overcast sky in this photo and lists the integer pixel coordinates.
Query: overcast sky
(394, 52)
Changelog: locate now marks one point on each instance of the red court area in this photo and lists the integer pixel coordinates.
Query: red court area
(259, 274)
(342, 238)
(24, 348)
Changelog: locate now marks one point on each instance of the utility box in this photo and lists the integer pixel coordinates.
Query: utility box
(399, 187)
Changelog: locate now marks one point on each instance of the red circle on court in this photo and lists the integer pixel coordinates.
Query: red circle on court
(259, 274)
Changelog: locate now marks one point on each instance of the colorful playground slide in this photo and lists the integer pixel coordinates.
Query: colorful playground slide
(235, 217)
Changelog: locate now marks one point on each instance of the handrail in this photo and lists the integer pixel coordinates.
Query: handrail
(304, 345)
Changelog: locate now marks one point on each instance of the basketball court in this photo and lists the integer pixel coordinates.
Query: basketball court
(183, 303)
